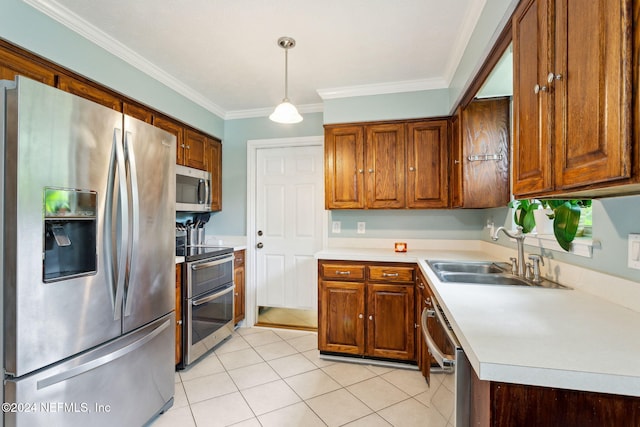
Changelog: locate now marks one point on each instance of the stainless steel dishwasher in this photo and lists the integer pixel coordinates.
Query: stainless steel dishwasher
(450, 357)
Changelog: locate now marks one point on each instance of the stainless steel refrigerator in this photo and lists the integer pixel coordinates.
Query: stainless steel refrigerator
(88, 261)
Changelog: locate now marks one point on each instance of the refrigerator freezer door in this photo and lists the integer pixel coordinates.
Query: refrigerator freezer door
(150, 158)
(53, 139)
(125, 383)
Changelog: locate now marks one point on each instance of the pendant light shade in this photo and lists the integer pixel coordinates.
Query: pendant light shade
(286, 112)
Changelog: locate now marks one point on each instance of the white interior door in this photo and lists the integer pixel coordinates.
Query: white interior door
(289, 218)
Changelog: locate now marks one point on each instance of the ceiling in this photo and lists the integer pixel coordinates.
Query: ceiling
(223, 54)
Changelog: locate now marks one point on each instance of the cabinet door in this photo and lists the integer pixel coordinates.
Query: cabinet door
(178, 313)
(427, 157)
(486, 132)
(532, 109)
(89, 91)
(12, 65)
(175, 129)
(390, 321)
(341, 317)
(213, 164)
(344, 167)
(593, 95)
(195, 149)
(239, 282)
(385, 166)
(455, 161)
(137, 112)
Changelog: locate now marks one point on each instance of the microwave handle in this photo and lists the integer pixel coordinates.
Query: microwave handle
(201, 182)
(207, 193)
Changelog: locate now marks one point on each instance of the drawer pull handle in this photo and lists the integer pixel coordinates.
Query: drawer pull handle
(389, 274)
(343, 273)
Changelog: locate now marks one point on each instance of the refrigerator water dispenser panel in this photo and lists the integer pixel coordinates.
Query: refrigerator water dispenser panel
(69, 234)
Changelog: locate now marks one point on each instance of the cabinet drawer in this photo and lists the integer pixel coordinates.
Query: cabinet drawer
(391, 273)
(342, 271)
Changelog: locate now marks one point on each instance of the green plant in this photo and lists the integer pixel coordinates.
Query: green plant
(566, 216)
(523, 215)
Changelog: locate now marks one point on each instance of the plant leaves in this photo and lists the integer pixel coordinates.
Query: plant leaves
(565, 224)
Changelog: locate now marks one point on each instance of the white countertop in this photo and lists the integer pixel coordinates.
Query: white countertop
(547, 337)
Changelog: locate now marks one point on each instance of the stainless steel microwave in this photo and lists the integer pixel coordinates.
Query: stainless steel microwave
(193, 190)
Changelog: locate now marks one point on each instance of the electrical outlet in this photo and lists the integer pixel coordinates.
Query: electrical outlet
(361, 227)
(335, 227)
(633, 254)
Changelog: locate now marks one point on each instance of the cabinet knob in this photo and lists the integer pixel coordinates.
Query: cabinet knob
(411, 168)
(371, 317)
(236, 294)
(360, 316)
(537, 89)
(551, 77)
(370, 170)
(456, 162)
(182, 145)
(179, 322)
(188, 147)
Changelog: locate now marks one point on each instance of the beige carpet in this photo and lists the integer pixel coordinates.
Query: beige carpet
(288, 318)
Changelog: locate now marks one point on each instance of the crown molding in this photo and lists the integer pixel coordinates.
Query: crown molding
(59, 13)
(382, 88)
(264, 112)
(469, 22)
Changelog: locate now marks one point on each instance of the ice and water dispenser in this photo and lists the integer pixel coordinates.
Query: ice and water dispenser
(70, 227)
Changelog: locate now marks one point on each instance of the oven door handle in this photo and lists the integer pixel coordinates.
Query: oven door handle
(214, 296)
(446, 362)
(200, 266)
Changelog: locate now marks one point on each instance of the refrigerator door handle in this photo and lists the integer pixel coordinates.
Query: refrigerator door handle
(100, 361)
(135, 223)
(116, 167)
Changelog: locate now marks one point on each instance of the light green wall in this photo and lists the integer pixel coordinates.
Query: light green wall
(613, 219)
(232, 219)
(26, 27)
(408, 105)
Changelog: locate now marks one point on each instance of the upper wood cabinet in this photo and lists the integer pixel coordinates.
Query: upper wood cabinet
(89, 91)
(13, 64)
(426, 170)
(344, 167)
(386, 165)
(195, 146)
(174, 128)
(213, 164)
(572, 95)
(480, 135)
(138, 112)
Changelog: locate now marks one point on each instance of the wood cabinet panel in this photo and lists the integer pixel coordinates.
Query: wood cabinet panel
(178, 352)
(531, 110)
(176, 129)
(138, 112)
(89, 91)
(341, 317)
(390, 321)
(239, 282)
(427, 158)
(13, 64)
(384, 165)
(195, 149)
(486, 132)
(593, 45)
(344, 167)
(392, 273)
(455, 160)
(213, 164)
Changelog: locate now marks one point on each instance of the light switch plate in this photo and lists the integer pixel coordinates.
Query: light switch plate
(335, 227)
(633, 254)
(361, 228)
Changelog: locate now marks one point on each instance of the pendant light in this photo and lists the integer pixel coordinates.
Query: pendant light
(286, 112)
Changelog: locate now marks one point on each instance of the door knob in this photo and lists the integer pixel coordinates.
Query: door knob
(259, 232)
(259, 245)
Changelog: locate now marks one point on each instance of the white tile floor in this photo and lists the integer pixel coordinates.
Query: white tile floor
(274, 377)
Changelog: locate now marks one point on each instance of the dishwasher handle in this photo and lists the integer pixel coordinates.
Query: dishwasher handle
(445, 361)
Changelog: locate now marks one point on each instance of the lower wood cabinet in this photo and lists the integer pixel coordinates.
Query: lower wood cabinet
(239, 282)
(178, 313)
(366, 309)
(496, 404)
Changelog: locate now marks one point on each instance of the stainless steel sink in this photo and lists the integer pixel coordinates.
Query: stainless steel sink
(482, 267)
(485, 273)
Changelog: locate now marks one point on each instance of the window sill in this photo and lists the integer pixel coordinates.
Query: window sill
(581, 246)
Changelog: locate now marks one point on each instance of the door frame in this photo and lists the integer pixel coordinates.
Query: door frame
(253, 145)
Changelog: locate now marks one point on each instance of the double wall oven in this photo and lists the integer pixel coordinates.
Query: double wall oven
(207, 299)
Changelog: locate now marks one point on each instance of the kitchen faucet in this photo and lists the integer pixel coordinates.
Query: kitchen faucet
(519, 236)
